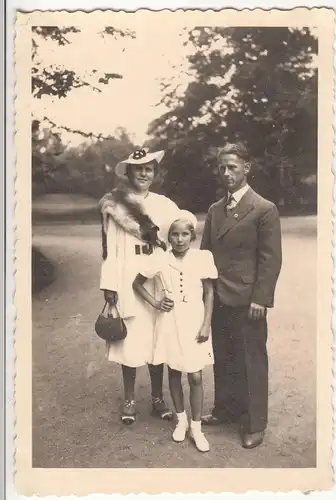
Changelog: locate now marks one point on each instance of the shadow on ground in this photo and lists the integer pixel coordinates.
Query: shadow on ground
(77, 393)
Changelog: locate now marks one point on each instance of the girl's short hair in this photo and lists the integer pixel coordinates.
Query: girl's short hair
(189, 226)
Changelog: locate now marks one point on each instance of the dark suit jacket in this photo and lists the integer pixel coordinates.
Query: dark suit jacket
(246, 245)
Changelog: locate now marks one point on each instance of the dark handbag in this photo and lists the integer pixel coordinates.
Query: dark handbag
(109, 328)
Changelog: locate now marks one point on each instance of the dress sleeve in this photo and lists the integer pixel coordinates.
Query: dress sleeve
(172, 207)
(152, 267)
(207, 265)
(171, 210)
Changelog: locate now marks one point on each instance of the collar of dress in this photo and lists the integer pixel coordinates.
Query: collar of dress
(178, 264)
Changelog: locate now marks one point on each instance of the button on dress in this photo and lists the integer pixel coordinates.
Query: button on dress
(175, 332)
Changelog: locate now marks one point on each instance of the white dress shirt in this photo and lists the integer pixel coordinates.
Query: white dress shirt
(237, 196)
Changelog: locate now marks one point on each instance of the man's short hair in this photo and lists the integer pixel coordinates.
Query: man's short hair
(238, 149)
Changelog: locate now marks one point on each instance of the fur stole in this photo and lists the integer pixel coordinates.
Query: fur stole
(129, 214)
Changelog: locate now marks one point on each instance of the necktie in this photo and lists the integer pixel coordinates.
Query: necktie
(231, 203)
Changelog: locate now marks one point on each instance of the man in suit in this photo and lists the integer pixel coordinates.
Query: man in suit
(242, 230)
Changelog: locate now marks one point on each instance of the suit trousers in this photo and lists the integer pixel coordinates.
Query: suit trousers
(240, 367)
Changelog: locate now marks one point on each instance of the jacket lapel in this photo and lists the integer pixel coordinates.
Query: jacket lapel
(237, 214)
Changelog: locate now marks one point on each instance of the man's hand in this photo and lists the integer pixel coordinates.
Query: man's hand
(202, 336)
(166, 304)
(256, 311)
(111, 297)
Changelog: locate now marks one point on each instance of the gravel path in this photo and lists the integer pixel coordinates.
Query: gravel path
(76, 393)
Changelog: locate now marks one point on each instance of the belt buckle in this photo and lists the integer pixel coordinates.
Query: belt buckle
(147, 249)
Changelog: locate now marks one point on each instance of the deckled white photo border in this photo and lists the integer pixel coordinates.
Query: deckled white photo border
(84, 481)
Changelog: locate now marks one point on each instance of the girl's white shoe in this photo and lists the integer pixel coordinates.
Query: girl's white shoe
(181, 428)
(198, 437)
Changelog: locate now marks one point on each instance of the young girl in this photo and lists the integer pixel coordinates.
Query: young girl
(183, 327)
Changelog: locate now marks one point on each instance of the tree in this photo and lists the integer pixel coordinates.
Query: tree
(91, 167)
(87, 169)
(47, 149)
(51, 163)
(256, 85)
(56, 80)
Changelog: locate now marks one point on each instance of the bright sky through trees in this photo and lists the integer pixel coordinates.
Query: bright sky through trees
(130, 102)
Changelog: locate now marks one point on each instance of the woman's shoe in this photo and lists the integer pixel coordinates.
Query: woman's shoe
(210, 420)
(181, 428)
(128, 414)
(198, 437)
(160, 409)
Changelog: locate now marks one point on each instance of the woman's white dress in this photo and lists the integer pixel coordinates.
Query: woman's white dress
(118, 272)
(175, 332)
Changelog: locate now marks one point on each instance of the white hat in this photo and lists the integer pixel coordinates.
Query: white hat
(139, 157)
(187, 216)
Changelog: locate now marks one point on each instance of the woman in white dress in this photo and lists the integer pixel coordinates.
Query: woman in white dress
(182, 333)
(135, 225)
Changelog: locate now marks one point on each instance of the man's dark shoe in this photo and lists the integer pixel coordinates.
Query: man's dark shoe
(213, 420)
(253, 440)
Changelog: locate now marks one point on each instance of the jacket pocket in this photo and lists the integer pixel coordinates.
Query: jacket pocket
(248, 280)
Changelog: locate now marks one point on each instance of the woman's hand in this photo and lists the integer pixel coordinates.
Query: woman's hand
(165, 304)
(111, 297)
(203, 335)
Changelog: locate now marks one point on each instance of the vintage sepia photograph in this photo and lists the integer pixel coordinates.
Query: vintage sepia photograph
(173, 200)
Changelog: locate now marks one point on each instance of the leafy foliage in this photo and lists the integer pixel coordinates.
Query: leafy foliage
(54, 167)
(256, 85)
(55, 80)
(87, 169)
(47, 149)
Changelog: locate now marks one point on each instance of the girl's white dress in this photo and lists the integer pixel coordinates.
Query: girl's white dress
(118, 272)
(175, 332)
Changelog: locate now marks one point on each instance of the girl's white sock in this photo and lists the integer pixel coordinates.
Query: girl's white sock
(181, 428)
(195, 424)
(198, 436)
(181, 417)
